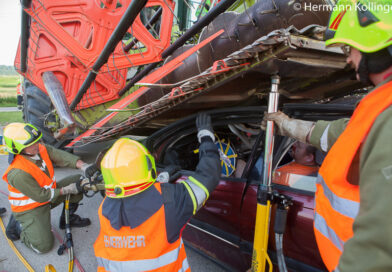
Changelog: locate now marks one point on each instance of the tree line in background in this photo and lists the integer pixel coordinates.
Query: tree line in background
(6, 70)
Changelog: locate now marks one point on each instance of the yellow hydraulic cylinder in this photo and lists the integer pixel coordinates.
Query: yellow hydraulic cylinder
(260, 243)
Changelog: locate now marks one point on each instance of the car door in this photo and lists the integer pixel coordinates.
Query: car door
(299, 244)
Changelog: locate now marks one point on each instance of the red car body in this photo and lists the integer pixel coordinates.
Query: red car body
(223, 229)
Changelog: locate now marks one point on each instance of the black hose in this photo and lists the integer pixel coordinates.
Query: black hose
(24, 35)
(197, 27)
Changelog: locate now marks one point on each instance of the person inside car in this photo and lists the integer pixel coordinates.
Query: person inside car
(303, 165)
(353, 198)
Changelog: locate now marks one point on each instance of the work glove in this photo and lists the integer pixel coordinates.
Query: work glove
(204, 127)
(89, 170)
(2, 210)
(286, 126)
(169, 174)
(71, 189)
(83, 185)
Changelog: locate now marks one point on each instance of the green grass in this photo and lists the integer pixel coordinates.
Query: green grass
(9, 117)
(9, 81)
(8, 90)
(8, 101)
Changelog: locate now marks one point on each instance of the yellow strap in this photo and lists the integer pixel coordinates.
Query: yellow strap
(191, 195)
(23, 260)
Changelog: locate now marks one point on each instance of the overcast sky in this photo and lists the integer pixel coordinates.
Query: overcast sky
(9, 30)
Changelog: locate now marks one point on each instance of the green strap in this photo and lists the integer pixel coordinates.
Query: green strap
(191, 195)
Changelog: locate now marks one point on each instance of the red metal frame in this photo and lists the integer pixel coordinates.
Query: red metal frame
(66, 37)
(150, 78)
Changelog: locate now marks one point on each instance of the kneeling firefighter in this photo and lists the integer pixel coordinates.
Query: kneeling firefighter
(33, 190)
(141, 219)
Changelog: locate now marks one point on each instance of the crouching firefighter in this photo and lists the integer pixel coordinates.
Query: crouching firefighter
(142, 219)
(33, 190)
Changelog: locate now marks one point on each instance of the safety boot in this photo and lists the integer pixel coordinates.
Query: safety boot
(74, 219)
(13, 229)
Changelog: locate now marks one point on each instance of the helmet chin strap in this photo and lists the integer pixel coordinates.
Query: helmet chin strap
(363, 71)
(374, 63)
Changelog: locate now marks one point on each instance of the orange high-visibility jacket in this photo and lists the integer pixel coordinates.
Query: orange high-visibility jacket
(337, 201)
(144, 248)
(290, 173)
(20, 202)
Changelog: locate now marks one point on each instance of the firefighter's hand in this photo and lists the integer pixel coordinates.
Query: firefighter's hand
(169, 174)
(204, 127)
(278, 118)
(83, 185)
(71, 189)
(286, 126)
(89, 170)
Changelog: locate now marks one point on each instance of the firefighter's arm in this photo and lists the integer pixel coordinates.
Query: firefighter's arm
(371, 246)
(206, 176)
(183, 199)
(27, 185)
(62, 158)
(322, 134)
(325, 133)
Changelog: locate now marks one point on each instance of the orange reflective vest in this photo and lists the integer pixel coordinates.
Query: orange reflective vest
(337, 201)
(19, 201)
(18, 90)
(144, 248)
(292, 172)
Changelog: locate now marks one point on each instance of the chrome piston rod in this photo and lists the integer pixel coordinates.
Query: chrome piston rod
(269, 132)
(57, 96)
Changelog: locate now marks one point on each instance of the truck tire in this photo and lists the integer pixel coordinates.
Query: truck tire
(36, 105)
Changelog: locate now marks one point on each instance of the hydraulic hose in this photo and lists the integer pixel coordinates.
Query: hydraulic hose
(283, 204)
(68, 235)
(279, 252)
(68, 243)
(17, 253)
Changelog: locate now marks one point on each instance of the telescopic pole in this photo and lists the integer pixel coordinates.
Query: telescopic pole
(264, 191)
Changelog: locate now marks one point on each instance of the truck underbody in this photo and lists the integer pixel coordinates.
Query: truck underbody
(230, 64)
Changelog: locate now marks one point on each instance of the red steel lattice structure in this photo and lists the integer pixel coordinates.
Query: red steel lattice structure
(79, 30)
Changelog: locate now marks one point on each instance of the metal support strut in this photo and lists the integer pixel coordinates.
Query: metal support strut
(264, 192)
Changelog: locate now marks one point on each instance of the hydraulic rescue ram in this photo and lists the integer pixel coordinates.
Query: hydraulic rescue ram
(264, 191)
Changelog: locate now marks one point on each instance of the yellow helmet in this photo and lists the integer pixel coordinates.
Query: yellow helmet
(128, 168)
(18, 136)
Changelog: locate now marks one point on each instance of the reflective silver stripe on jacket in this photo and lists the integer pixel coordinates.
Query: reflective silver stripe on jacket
(321, 225)
(140, 265)
(23, 202)
(185, 265)
(344, 206)
(12, 194)
(199, 193)
(50, 185)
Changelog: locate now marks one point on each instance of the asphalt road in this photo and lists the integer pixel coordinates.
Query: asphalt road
(8, 109)
(83, 237)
